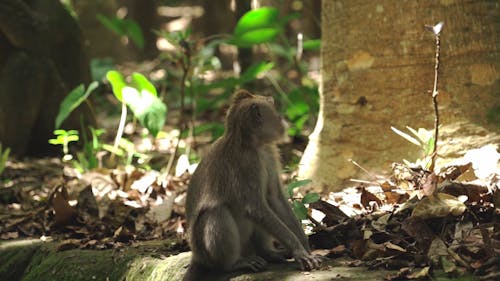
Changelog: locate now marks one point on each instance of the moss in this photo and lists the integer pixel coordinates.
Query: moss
(15, 256)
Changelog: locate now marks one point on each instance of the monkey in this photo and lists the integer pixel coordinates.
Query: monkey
(235, 206)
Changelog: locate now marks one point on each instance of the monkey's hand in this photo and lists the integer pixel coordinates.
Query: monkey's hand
(254, 263)
(307, 261)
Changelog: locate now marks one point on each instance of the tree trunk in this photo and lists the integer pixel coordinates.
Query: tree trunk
(377, 69)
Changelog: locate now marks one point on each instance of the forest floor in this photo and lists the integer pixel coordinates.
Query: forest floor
(415, 223)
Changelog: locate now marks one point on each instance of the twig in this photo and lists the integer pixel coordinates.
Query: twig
(363, 169)
(436, 30)
(172, 156)
(186, 65)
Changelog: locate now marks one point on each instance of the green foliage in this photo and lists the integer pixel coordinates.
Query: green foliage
(312, 45)
(63, 138)
(87, 159)
(256, 27)
(4, 155)
(124, 27)
(141, 97)
(126, 150)
(298, 205)
(72, 101)
(422, 138)
(100, 66)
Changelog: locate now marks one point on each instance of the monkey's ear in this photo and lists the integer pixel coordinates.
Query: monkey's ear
(255, 113)
(241, 95)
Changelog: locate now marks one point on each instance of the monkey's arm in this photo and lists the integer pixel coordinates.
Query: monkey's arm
(22, 27)
(259, 211)
(282, 208)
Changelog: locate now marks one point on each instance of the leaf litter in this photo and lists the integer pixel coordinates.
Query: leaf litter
(417, 222)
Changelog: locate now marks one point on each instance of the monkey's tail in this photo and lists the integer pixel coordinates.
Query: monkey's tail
(195, 272)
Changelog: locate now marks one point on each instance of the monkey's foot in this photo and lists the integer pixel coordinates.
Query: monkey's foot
(309, 262)
(254, 263)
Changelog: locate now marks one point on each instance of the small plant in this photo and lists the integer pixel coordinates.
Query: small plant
(141, 96)
(422, 138)
(63, 138)
(4, 155)
(298, 204)
(87, 159)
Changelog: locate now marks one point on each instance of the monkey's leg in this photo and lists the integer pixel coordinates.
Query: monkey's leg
(222, 241)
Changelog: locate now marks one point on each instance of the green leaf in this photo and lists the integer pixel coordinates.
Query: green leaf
(134, 32)
(112, 24)
(147, 108)
(291, 186)
(256, 19)
(429, 147)
(300, 210)
(297, 110)
(115, 150)
(4, 155)
(99, 68)
(311, 45)
(310, 198)
(124, 27)
(255, 70)
(141, 83)
(117, 82)
(72, 101)
(251, 38)
(257, 26)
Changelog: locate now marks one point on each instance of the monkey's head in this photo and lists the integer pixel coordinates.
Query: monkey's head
(254, 118)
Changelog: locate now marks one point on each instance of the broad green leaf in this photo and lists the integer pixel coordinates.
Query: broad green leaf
(134, 32)
(311, 45)
(72, 101)
(124, 27)
(406, 136)
(259, 36)
(255, 70)
(297, 110)
(256, 19)
(141, 83)
(112, 24)
(257, 26)
(299, 209)
(117, 82)
(310, 198)
(291, 186)
(147, 108)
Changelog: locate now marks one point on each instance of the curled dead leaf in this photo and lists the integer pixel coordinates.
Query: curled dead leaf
(438, 205)
(63, 212)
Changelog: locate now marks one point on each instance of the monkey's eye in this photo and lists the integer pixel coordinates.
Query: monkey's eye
(255, 112)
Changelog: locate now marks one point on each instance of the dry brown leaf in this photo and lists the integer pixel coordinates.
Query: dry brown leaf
(63, 212)
(367, 197)
(437, 206)
(421, 274)
(453, 172)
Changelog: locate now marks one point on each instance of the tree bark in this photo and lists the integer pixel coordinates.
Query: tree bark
(377, 69)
